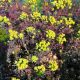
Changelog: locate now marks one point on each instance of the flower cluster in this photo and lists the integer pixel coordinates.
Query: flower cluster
(5, 20)
(52, 20)
(23, 15)
(36, 15)
(44, 18)
(62, 3)
(68, 21)
(32, 1)
(61, 38)
(14, 78)
(50, 34)
(9, 1)
(43, 46)
(34, 58)
(21, 63)
(14, 34)
(53, 65)
(40, 69)
(30, 29)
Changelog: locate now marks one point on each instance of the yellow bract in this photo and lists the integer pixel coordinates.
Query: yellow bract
(22, 63)
(14, 78)
(36, 15)
(40, 69)
(5, 20)
(34, 58)
(7, 0)
(23, 15)
(30, 29)
(62, 3)
(21, 35)
(43, 46)
(13, 34)
(32, 1)
(53, 65)
(69, 21)
(44, 18)
(52, 20)
(50, 34)
(1, 18)
(61, 38)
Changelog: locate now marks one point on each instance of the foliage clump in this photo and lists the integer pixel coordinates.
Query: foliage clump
(3, 35)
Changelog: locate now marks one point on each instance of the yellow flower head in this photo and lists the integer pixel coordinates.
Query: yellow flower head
(14, 78)
(44, 18)
(43, 46)
(21, 63)
(32, 1)
(1, 18)
(40, 69)
(52, 20)
(31, 30)
(68, 21)
(13, 34)
(21, 35)
(23, 15)
(61, 4)
(61, 38)
(5, 20)
(36, 15)
(7, 0)
(50, 34)
(53, 65)
(34, 58)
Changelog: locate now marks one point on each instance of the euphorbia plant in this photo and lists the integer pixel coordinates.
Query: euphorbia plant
(36, 34)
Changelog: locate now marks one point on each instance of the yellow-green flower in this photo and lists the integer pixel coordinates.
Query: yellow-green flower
(52, 20)
(40, 69)
(5, 19)
(69, 21)
(23, 15)
(14, 78)
(61, 38)
(1, 18)
(21, 63)
(50, 34)
(44, 18)
(43, 46)
(36, 15)
(60, 21)
(21, 35)
(31, 30)
(7, 0)
(34, 58)
(53, 65)
(32, 1)
(13, 34)
(61, 4)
